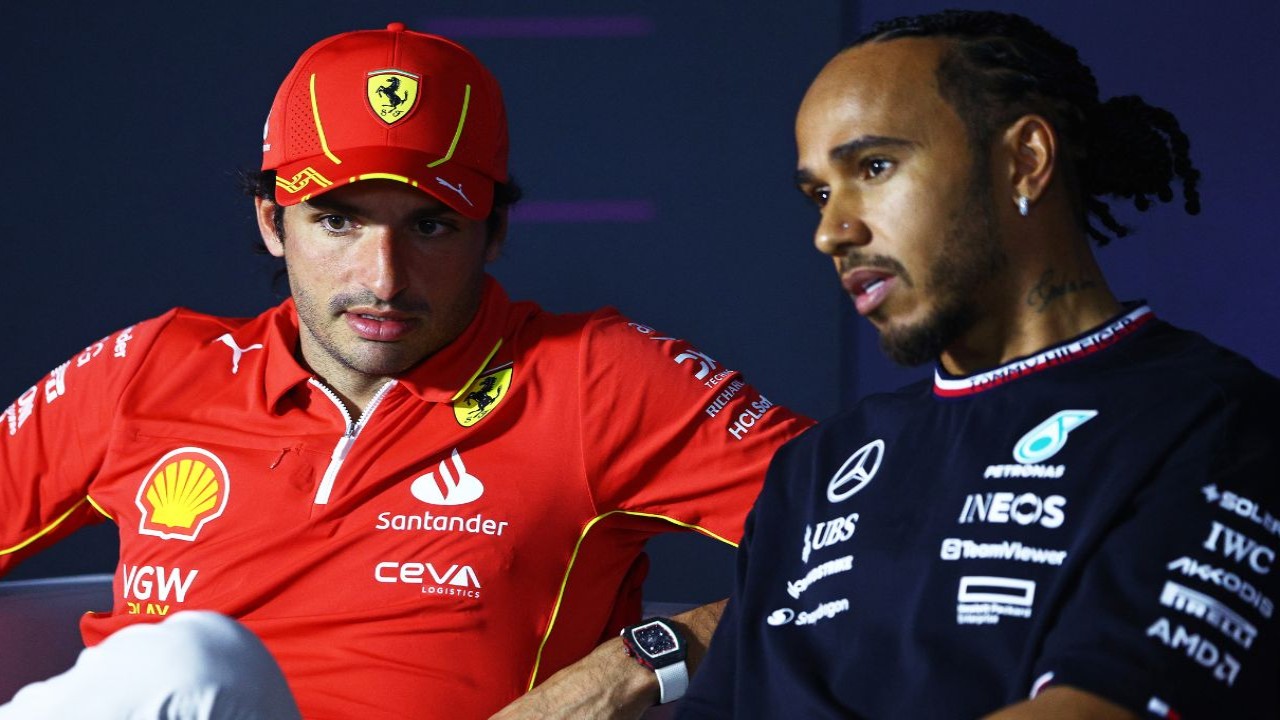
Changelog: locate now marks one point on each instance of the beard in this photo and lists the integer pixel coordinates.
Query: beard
(972, 256)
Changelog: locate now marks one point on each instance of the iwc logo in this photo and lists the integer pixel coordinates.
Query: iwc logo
(392, 94)
(186, 489)
(482, 396)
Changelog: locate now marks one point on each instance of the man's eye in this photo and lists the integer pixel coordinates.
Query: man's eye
(874, 167)
(821, 196)
(434, 227)
(335, 223)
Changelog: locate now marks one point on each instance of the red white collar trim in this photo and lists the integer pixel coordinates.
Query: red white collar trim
(1103, 337)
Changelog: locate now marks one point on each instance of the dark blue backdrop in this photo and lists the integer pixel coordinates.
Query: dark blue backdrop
(654, 141)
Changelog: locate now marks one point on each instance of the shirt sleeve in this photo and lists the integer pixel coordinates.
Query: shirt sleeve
(53, 439)
(671, 432)
(712, 691)
(1173, 615)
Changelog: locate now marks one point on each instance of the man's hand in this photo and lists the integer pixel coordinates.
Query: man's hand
(609, 684)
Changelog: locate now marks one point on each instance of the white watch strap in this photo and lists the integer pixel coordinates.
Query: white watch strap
(673, 680)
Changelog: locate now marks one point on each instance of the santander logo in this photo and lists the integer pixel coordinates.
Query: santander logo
(454, 487)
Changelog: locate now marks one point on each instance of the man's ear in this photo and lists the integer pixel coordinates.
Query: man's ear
(497, 234)
(266, 210)
(1031, 152)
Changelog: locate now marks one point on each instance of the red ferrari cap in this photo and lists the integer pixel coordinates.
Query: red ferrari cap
(392, 104)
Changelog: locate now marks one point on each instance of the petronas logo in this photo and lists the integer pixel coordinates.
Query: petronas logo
(1046, 439)
(186, 489)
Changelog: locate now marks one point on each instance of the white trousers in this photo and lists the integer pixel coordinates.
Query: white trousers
(192, 666)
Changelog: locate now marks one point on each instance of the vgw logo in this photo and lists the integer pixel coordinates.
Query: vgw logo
(1046, 439)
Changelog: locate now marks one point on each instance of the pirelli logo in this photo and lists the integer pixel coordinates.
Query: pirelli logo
(183, 492)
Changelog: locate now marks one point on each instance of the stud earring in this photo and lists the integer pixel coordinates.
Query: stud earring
(1024, 205)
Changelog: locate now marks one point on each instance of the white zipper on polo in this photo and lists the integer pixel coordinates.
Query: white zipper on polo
(348, 437)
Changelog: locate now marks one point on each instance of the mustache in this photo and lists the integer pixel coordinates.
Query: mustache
(876, 262)
(339, 304)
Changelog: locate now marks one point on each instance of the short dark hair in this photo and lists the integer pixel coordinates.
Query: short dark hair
(262, 184)
(1002, 66)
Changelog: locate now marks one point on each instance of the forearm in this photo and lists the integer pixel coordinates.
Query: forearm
(608, 684)
(699, 624)
(637, 686)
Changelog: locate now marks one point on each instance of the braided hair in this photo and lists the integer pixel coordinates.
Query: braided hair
(1003, 66)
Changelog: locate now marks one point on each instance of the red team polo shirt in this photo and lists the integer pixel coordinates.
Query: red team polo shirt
(476, 530)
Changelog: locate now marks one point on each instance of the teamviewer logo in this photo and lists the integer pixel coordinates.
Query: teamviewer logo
(454, 487)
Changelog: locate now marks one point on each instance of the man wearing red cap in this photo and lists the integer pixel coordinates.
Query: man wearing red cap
(425, 499)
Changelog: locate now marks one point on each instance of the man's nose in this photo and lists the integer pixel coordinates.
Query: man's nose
(381, 270)
(838, 229)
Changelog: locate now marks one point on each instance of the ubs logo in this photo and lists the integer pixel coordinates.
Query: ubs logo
(856, 472)
(828, 533)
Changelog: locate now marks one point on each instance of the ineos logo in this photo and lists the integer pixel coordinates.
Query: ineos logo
(856, 472)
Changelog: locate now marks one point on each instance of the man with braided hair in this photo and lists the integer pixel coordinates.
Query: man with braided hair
(1078, 515)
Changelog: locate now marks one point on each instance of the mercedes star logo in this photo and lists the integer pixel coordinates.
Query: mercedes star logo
(856, 472)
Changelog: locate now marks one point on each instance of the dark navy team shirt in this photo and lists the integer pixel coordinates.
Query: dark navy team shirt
(1104, 515)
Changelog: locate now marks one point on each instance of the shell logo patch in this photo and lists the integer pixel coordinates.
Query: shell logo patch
(482, 396)
(184, 490)
(392, 94)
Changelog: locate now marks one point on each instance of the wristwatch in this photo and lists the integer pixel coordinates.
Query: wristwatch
(657, 644)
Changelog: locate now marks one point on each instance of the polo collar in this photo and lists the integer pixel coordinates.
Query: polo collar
(446, 375)
(1106, 335)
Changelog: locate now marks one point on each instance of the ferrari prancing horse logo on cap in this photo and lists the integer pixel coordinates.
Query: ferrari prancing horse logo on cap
(392, 94)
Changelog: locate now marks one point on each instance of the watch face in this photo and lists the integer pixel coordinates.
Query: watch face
(655, 639)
